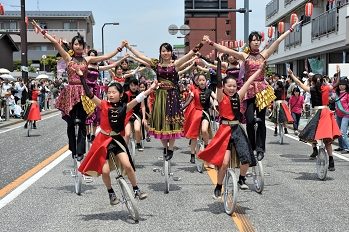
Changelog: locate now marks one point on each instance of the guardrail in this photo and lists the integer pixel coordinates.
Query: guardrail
(272, 8)
(324, 24)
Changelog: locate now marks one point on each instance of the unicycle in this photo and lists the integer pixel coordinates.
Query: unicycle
(231, 189)
(30, 128)
(132, 146)
(199, 147)
(258, 170)
(128, 197)
(281, 133)
(322, 162)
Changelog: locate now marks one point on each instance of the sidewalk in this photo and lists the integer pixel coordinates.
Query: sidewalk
(18, 120)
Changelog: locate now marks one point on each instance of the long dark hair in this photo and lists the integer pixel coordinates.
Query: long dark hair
(256, 34)
(318, 79)
(296, 89)
(80, 40)
(168, 47)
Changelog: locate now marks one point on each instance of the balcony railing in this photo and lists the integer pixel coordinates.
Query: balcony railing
(324, 24)
(272, 8)
(293, 39)
(48, 31)
(288, 2)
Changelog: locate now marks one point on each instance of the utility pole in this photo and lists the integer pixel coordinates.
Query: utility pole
(24, 49)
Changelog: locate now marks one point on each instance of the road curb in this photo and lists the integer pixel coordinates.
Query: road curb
(15, 121)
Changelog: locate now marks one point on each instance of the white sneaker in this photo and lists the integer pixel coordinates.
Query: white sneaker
(296, 132)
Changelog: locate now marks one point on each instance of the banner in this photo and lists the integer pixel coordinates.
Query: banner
(317, 66)
(61, 66)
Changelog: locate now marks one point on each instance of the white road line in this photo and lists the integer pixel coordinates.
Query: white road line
(23, 121)
(297, 139)
(21, 188)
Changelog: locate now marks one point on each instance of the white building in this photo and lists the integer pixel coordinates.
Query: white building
(323, 37)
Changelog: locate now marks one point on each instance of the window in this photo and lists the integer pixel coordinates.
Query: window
(10, 25)
(227, 32)
(40, 48)
(227, 21)
(43, 25)
(69, 25)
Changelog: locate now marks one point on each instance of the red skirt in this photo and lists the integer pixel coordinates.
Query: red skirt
(215, 151)
(34, 112)
(192, 123)
(321, 126)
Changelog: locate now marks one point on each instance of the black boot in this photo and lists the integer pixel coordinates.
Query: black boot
(314, 154)
(34, 125)
(88, 136)
(169, 155)
(276, 131)
(192, 158)
(26, 125)
(286, 131)
(331, 164)
(92, 138)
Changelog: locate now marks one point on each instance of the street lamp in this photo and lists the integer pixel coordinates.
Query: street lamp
(103, 37)
(103, 34)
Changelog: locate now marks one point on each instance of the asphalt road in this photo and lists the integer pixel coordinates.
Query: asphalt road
(293, 198)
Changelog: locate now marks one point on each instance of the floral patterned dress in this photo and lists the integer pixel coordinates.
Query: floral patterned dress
(166, 119)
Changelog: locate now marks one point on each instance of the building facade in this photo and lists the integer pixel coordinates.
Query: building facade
(320, 40)
(222, 28)
(64, 24)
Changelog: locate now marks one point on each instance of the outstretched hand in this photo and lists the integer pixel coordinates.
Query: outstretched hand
(296, 23)
(206, 38)
(36, 25)
(155, 84)
(289, 71)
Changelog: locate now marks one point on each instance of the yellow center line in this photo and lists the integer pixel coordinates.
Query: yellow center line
(31, 172)
(239, 216)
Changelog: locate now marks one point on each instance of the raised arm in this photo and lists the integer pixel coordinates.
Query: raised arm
(246, 85)
(186, 69)
(206, 70)
(59, 48)
(267, 53)
(96, 59)
(297, 81)
(140, 61)
(219, 81)
(239, 55)
(187, 62)
(178, 63)
(140, 97)
(138, 54)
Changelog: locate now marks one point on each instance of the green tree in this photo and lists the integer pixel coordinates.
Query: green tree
(148, 74)
(50, 62)
(17, 64)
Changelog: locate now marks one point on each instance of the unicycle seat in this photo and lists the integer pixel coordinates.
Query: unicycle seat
(257, 120)
(77, 121)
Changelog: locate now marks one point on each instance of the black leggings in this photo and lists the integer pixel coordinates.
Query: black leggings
(258, 143)
(77, 112)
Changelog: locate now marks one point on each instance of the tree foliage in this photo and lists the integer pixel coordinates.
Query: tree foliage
(17, 64)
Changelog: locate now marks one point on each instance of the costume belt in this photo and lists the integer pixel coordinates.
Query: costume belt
(279, 101)
(230, 122)
(166, 84)
(32, 101)
(320, 107)
(113, 133)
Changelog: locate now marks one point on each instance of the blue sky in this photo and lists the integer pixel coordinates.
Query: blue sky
(142, 22)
